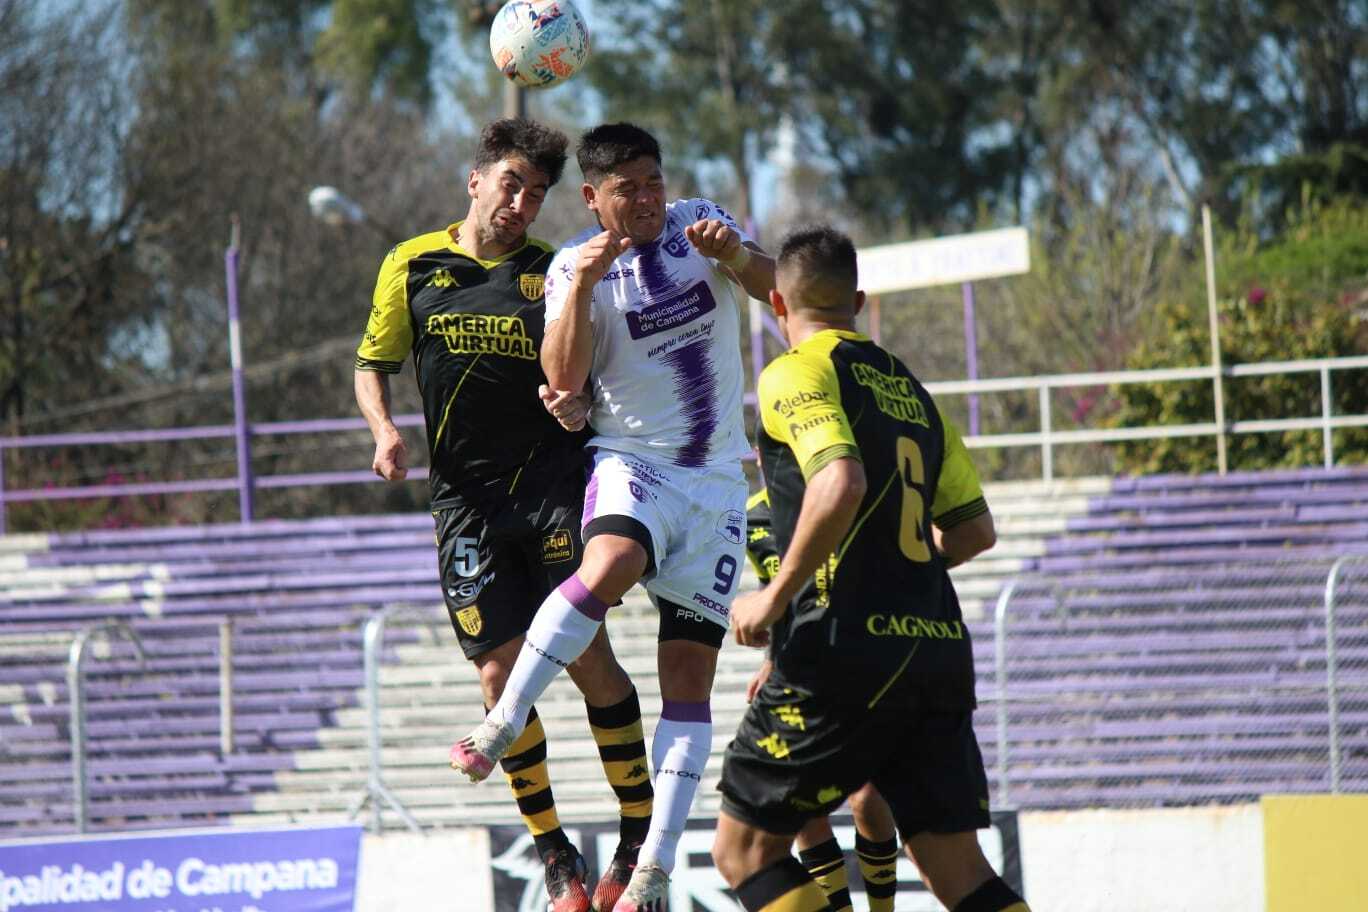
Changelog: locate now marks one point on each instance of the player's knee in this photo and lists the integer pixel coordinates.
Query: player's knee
(611, 565)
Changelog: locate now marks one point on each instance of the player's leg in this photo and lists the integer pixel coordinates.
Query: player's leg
(876, 847)
(614, 714)
(486, 589)
(760, 868)
(939, 798)
(570, 617)
(821, 855)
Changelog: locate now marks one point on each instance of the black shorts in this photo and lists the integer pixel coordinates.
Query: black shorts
(799, 753)
(499, 561)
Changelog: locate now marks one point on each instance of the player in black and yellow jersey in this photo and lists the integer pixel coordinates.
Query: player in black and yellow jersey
(507, 482)
(876, 838)
(873, 497)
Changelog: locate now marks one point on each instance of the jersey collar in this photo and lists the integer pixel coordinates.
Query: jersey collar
(454, 231)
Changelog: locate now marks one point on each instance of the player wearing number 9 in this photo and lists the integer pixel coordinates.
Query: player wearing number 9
(873, 497)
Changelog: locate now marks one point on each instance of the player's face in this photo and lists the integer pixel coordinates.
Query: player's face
(505, 199)
(631, 201)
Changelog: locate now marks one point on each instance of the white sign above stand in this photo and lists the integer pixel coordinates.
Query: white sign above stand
(944, 261)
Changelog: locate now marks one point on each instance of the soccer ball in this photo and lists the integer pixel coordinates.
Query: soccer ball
(539, 43)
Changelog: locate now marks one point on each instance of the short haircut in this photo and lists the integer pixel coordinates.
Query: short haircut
(517, 137)
(818, 265)
(606, 147)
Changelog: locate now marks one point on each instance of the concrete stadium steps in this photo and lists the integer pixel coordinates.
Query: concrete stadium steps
(431, 696)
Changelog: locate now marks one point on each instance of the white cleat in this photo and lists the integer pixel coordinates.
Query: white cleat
(647, 891)
(479, 752)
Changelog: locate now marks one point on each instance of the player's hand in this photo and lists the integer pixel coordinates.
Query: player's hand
(753, 614)
(715, 238)
(570, 409)
(597, 255)
(758, 680)
(391, 458)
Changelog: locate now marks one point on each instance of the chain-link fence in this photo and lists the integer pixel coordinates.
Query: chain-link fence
(1185, 684)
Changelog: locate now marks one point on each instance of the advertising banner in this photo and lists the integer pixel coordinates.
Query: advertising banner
(695, 885)
(290, 870)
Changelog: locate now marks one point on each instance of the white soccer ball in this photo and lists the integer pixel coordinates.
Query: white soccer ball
(539, 43)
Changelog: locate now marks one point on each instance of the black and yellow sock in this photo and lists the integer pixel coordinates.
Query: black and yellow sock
(622, 748)
(879, 868)
(525, 768)
(993, 896)
(826, 863)
(784, 886)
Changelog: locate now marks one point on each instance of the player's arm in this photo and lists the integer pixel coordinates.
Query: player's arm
(802, 410)
(746, 262)
(830, 503)
(385, 345)
(568, 349)
(961, 523)
(373, 397)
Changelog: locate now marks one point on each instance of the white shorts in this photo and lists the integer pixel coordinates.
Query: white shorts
(696, 518)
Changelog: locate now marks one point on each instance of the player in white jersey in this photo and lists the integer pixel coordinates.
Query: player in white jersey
(646, 309)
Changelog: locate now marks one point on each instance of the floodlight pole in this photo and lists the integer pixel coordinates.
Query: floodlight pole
(240, 429)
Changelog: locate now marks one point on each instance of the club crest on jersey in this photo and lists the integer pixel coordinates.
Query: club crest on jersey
(470, 620)
(532, 286)
(557, 547)
(677, 246)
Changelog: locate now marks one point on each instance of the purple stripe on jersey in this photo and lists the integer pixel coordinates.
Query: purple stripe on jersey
(696, 387)
(686, 712)
(582, 600)
(651, 270)
(590, 496)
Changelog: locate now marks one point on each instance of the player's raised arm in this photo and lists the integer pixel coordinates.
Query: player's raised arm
(568, 349)
(750, 266)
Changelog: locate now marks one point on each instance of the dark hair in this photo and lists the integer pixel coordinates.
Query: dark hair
(602, 149)
(822, 258)
(542, 146)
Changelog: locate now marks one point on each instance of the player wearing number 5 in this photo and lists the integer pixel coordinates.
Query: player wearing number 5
(873, 497)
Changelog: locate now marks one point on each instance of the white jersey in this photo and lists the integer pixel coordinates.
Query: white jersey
(666, 376)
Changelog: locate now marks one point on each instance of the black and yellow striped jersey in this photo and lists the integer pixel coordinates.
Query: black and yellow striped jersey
(885, 596)
(475, 330)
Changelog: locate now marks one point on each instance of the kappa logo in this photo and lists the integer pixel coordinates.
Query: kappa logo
(636, 772)
(776, 746)
(519, 783)
(442, 278)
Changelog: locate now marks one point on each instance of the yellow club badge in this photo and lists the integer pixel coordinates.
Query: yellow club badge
(470, 620)
(532, 286)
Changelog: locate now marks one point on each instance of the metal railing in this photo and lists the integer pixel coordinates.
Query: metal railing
(1277, 675)
(1047, 438)
(76, 689)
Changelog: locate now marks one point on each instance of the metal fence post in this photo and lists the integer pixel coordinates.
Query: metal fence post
(373, 640)
(1332, 665)
(226, 725)
(1327, 412)
(1046, 444)
(1000, 667)
(76, 696)
(241, 429)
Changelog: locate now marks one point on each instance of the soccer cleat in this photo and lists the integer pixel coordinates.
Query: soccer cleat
(565, 876)
(613, 882)
(478, 752)
(647, 890)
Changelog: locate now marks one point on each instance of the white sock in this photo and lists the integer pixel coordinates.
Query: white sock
(562, 629)
(679, 751)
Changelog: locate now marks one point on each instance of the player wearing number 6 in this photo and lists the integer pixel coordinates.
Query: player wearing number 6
(873, 497)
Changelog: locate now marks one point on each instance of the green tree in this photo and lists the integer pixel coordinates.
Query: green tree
(1301, 295)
